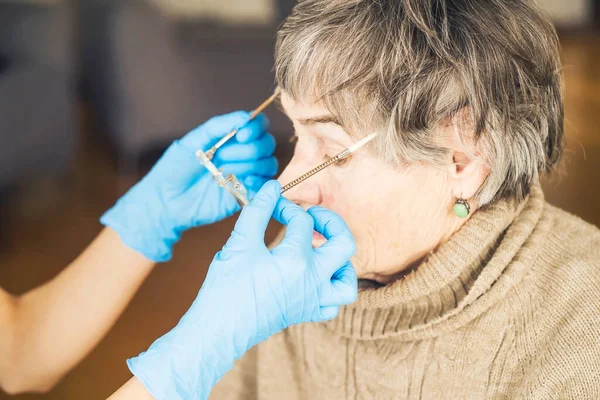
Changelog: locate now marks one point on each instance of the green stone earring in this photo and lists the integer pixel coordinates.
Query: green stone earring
(461, 208)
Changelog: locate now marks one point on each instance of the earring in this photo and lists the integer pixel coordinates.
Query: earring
(461, 208)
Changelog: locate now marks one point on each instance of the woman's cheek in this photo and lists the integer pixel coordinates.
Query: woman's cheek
(338, 196)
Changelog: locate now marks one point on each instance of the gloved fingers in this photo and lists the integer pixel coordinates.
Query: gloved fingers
(253, 184)
(327, 222)
(299, 231)
(281, 206)
(340, 245)
(255, 217)
(237, 152)
(266, 167)
(342, 290)
(327, 313)
(178, 164)
(207, 134)
(253, 129)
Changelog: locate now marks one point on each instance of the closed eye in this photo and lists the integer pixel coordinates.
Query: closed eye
(338, 163)
(326, 157)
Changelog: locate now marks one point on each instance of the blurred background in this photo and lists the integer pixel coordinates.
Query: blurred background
(91, 91)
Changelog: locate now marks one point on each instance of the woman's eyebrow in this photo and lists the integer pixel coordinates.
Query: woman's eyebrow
(321, 119)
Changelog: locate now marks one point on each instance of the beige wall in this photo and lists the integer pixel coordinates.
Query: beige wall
(225, 11)
(568, 13)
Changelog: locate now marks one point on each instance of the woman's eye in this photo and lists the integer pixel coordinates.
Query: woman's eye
(343, 161)
(310, 146)
(338, 163)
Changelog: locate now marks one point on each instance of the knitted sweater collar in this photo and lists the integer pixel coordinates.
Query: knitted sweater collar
(466, 276)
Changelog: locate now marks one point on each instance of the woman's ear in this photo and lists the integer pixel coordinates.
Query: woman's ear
(468, 167)
(468, 172)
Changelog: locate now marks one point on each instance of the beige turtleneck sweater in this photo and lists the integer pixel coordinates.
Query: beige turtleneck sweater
(509, 308)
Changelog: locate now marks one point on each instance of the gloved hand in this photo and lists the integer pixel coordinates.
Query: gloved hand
(251, 293)
(179, 192)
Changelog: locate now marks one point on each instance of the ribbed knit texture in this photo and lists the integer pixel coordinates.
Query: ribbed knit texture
(508, 308)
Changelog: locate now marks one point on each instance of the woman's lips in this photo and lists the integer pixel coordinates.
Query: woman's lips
(318, 239)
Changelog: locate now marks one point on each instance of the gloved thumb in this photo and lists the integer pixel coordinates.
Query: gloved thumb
(255, 217)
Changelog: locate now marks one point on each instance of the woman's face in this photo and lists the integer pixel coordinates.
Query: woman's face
(397, 214)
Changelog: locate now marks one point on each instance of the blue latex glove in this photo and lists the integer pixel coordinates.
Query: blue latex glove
(179, 193)
(251, 293)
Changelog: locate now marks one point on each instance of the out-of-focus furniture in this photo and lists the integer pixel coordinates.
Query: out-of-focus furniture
(152, 77)
(37, 107)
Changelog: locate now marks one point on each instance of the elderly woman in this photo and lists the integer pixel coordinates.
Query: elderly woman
(472, 286)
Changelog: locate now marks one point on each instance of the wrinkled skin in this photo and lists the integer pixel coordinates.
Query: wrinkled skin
(397, 214)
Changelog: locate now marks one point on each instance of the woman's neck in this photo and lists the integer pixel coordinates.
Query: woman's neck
(413, 263)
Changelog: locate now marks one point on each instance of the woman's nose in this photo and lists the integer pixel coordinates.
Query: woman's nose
(305, 193)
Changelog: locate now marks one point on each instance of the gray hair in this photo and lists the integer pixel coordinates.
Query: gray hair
(404, 67)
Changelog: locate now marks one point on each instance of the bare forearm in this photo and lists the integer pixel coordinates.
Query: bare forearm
(59, 323)
(132, 390)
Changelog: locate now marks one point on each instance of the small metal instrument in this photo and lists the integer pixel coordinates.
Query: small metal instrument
(229, 183)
